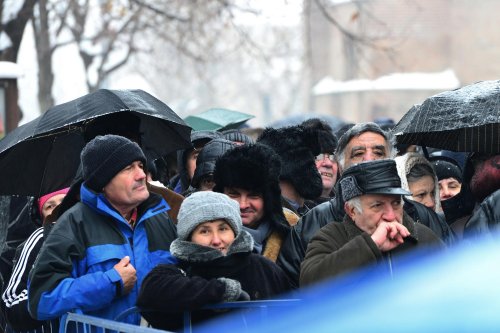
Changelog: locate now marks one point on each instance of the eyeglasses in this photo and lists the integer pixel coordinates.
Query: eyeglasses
(321, 157)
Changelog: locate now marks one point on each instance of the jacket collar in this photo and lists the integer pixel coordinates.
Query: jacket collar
(97, 201)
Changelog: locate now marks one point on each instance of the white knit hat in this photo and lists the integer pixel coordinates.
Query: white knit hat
(204, 206)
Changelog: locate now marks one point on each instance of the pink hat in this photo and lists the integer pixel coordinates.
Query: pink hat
(43, 199)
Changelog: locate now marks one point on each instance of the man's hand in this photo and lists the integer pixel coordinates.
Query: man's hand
(127, 273)
(389, 235)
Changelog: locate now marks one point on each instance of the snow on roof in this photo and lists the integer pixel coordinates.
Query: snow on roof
(10, 70)
(445, 80)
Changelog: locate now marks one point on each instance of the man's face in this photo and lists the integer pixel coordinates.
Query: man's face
(251, 205)
(127, 189)
(327, 168)
(376, 208)
(366, 147)
(191, 158)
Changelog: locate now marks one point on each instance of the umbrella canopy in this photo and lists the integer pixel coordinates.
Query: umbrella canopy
(334, 122)
(454, 291)
(217, 120)
(465, 119)
(43, 155)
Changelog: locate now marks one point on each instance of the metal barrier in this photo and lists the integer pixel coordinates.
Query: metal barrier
(79, 323)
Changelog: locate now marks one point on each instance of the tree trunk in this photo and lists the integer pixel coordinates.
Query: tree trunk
(44, 57)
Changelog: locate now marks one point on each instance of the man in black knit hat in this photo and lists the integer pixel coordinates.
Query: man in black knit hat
(98, 253)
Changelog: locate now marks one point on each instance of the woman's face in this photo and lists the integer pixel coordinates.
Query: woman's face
(216, 234)
(448, 188)
(422, 191)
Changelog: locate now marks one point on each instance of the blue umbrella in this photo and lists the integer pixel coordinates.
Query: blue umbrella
(454, 291)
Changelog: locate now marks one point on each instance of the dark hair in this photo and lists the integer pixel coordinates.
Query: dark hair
(418, 171)
(356, 131)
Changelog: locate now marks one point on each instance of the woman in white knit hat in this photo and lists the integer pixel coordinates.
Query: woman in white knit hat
(216, 264)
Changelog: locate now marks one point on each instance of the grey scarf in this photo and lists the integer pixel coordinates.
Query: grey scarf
(259, 235)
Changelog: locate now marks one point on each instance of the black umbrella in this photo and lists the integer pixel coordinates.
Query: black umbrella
(43, 155)
(465, 119)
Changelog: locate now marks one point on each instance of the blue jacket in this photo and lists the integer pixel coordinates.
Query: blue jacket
(75, 268)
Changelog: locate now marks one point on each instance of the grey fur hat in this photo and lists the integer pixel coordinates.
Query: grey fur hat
(206, 206)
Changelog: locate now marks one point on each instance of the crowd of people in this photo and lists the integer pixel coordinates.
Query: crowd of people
(245, 217)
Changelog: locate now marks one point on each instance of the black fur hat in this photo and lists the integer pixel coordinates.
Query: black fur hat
(256, 168)
(297, 146)
(327, 140)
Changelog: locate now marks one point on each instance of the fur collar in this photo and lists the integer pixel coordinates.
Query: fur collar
(194, 253)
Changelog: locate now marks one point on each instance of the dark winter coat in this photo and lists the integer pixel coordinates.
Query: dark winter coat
(75, 268)
(15, 295)
(486, 218)
(333, 211)
(339, 248)
(283, 246)
(194, 282)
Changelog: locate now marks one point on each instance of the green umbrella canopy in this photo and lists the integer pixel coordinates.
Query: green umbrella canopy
(217, 119)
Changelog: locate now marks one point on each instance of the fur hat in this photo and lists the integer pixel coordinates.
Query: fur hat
(205, 163)
(206, 206)
(297, 147)
(326, 138)
(253, 168)
(104, 156)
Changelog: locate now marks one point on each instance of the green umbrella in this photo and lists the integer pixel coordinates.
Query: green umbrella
(217, 120)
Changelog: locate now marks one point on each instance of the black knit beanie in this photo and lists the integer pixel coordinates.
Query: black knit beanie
(104, 156)
(446, 169)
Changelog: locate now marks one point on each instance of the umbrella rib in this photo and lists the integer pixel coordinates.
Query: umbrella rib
(63, 130)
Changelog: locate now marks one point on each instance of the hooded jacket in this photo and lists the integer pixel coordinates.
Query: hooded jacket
(405, 163)
(75, 268)
(339, 248)
(180, 183)
(196, 281)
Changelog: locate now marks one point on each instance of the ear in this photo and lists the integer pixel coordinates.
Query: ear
(349, 210)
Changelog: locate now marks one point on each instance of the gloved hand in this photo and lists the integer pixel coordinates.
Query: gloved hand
(243, 296)
(233, 290)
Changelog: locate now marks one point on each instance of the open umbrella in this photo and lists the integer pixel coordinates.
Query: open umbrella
(465, 119)
(217, 119)
(44, 154)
